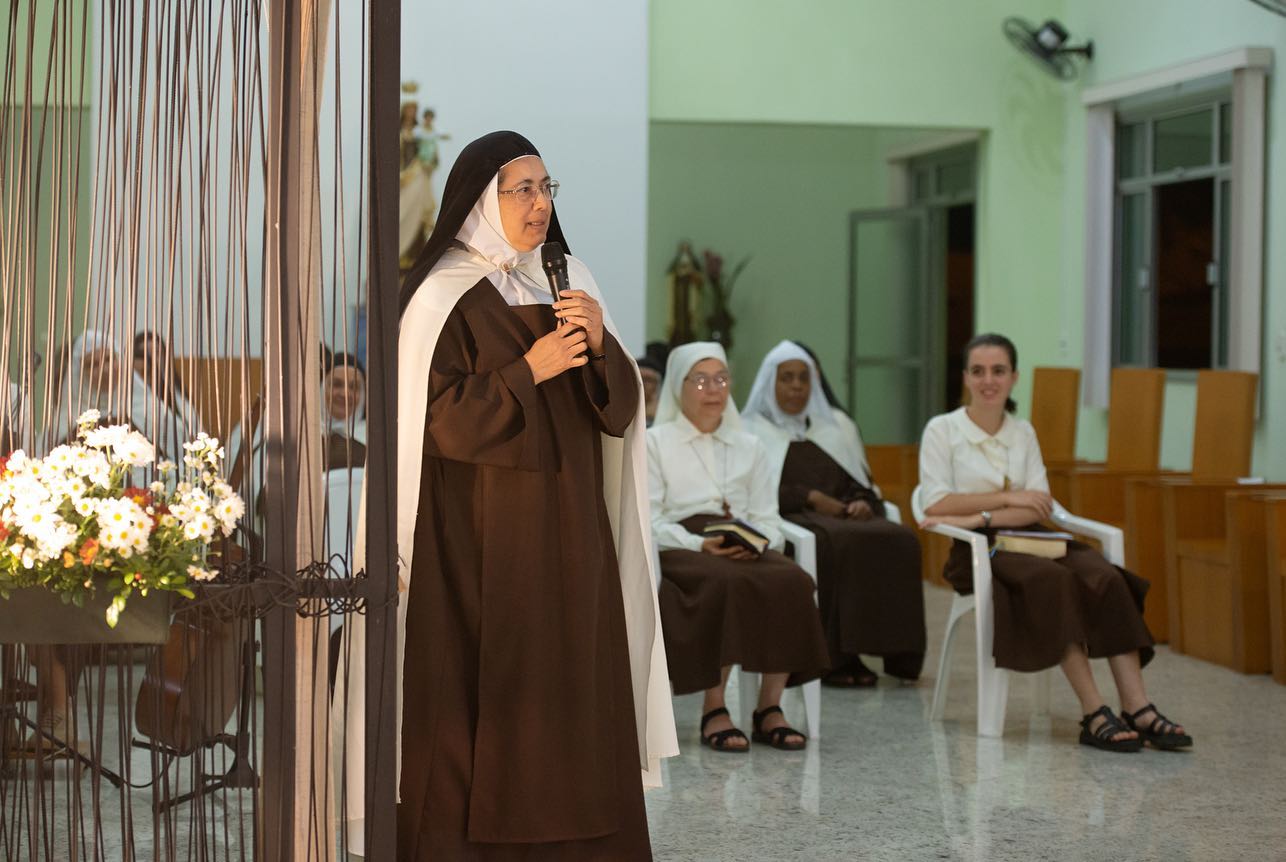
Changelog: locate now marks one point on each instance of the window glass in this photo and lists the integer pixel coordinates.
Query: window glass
(1133, 281)
(1131, 151)
(955, 178)
(1184, 141)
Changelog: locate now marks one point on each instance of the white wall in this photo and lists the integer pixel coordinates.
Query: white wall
(572, 76)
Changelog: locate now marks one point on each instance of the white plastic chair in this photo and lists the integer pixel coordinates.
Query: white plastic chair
(343, 497)
(993, 683)
(748, 683)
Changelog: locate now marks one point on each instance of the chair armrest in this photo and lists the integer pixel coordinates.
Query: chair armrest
(892, 512)
(1112, 538)
(805, 546)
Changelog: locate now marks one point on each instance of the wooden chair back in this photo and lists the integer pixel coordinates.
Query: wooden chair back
(1055, 402)
(1134, 419)
(220, 388)
(1224, 437)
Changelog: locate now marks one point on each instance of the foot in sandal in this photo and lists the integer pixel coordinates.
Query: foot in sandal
(718, 732)
(1157, 730)
(1102, 729)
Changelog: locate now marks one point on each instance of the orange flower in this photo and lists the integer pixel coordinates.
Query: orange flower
(88, 551)
(4, 534)
(68, 560)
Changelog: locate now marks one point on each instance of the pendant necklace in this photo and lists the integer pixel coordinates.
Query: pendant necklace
(727, 510)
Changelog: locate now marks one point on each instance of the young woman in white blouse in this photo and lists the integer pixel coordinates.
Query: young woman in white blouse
(981, 469)
(721, 605)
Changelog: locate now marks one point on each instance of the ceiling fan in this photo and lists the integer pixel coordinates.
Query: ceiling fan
(1047, 45)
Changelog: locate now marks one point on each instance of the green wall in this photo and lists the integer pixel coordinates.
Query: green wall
(38, 217)
(855, 64)
(730, 187)
(829, 64)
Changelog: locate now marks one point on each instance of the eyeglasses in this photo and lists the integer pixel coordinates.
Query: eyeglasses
(703, 382)
(527, 194)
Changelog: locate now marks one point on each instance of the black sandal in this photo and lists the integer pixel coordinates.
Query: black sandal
(718, 741)
(856, 675)
(777, 736)
(1161, 732)
(1111, 726)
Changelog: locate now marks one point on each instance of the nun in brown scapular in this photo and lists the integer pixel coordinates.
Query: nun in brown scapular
(720, 603)
(870, 593)
(534, 697)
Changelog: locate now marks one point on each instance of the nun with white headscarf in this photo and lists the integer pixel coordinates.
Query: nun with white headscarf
(720, 604)
(868, 568)
(101, 377)
(537, 709)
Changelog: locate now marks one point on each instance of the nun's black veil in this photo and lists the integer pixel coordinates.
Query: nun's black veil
(472, 171)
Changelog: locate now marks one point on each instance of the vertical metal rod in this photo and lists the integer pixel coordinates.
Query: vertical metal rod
(281, 310)
(382, 700)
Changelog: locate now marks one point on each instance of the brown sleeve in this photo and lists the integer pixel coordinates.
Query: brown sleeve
(613, 388)
(792, 497)
(480, 417)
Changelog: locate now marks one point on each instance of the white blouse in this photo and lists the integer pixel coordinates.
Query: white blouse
(958, 457)
(691, 473)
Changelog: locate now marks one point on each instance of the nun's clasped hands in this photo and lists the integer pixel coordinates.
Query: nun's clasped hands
(580, 309)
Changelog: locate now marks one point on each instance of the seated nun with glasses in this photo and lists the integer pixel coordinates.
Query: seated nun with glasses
(723, 603)
(868, 568)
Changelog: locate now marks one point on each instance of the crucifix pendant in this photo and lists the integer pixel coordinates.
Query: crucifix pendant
(727, 510)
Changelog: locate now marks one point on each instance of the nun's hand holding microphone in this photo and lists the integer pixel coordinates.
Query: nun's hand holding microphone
(578, 308)
(556, 352)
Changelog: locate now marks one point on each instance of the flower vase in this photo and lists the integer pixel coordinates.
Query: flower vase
(720, 324)
(35, 615)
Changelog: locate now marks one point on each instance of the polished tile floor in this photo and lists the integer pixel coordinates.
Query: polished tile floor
(883, 782)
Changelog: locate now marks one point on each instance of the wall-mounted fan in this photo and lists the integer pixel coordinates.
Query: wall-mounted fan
(1278, 6)
(1047, 45)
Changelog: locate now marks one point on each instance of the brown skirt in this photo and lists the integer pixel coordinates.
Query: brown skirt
(1044, 605)
(717, 612)
(869, 590)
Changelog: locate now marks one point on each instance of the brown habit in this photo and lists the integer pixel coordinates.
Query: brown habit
(518, 719)
(1043, 605)
(868, 572)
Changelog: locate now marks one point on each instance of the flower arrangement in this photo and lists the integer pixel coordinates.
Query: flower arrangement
(72, 523)
(721, 321)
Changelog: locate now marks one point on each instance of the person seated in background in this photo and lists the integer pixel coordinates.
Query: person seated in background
(344, 406)
(981, 469)
(720, 603)
(154, 365)
(652, 373)
(869, 589)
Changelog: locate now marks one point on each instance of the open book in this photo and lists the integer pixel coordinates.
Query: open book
(1038, 543)
(736, 532)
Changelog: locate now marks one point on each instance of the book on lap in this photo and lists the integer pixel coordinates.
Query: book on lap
(735, 532)
(1038, 543)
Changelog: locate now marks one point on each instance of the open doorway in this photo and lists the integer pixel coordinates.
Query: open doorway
(911, 306)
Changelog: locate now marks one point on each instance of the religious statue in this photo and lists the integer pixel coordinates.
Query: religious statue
(419, 158)
(685, 281)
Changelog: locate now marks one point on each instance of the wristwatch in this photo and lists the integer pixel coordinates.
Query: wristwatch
(986, 519)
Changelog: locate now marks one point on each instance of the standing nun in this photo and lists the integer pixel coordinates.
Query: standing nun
(539, 685)
(868, 568)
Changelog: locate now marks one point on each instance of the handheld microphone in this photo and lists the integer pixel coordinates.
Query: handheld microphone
(554, 262)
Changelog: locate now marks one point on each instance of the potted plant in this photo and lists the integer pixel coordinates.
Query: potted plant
(87, 555)
(721, 321)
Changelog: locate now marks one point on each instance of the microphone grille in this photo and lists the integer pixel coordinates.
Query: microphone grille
(552, 256)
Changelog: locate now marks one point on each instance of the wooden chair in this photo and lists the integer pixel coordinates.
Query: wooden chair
(218, 387)
(1222, 444)
(1276, 529)
(1055, 404)
(1133, 432)
(896, 469)
(1216, 547)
